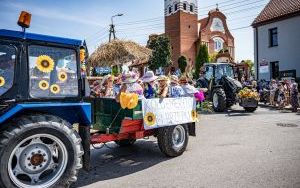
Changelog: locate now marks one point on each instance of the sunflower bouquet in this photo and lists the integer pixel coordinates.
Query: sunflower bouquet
(248, 93)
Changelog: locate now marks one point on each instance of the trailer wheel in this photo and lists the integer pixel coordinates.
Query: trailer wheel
(126, 142)
(39, 151)
(173, 140)
(219, 100)
(250, 109)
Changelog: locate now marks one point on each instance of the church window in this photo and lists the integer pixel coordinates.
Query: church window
(176, 7)
(170, 10)
(218, 44)
(184, 6)
(191, 8)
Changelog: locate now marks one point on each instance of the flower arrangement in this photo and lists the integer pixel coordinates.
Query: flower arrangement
(248, 93)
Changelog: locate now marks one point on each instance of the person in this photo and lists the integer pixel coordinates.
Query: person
(149, 85)
(273, 88)
(96, 89)
(294, 97)
(130, 85)
(117, 85)
(175, 90)
(281, 96)
(163, 86)
(188, 89)
(106, 86)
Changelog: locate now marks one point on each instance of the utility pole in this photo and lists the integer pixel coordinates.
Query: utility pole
(112, 31)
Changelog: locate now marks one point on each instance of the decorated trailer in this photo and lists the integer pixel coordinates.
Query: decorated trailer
(43, 95)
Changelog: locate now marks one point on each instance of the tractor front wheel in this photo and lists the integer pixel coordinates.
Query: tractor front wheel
(39, 151)
(173, 140)
(219, 100)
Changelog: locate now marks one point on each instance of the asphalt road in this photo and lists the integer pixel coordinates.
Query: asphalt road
(234, 149)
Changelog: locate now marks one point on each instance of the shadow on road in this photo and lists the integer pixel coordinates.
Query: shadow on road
(117, 162)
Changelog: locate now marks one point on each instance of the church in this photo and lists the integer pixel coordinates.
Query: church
(186, 32)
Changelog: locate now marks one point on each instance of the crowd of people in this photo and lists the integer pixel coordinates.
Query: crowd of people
(149, 86)
(279, 93)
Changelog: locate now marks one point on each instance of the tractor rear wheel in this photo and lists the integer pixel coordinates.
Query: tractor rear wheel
(39, 151)
(126, 142)
(219, 100)
(173, 140)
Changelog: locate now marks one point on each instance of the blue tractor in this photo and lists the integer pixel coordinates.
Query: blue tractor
(46, 116)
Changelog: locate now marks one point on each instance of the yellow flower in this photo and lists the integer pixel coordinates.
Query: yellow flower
(55, 88)
(45, 63)
(44, 85)
(133, 102)
(194, 115)
(150, 119)
(2, 81)
(82, 55)
(62, 76)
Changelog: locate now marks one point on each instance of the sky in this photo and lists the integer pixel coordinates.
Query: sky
(90, 19)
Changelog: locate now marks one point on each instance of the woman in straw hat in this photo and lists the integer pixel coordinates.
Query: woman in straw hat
(188, 89)
(175, 90)
(149, 85)
(163, 86)
(130, 85)
(107, 86)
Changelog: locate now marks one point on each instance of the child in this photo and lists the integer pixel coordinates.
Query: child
(149, 85)
(188, 89)
(294, 97)
(175, 90)
(107, 86)
(163, 86)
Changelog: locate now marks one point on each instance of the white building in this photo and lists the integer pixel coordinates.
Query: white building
(277, 40)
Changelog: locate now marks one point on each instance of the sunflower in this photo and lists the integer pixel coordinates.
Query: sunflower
(44, 85)
(194, 115)
(62, 76)
(2, 81)
(150, 119)
(45, 63)
(82, 55)
(55, 88)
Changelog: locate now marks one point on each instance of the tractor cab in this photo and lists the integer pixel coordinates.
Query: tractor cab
(37, 67)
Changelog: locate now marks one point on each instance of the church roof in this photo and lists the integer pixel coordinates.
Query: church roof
(203, 22)
(277, 9)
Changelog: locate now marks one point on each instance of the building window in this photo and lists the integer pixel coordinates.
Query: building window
(176, 7)
(273, 37)
(184, 6)
(191, 8)
(170, 10)
(218, 44)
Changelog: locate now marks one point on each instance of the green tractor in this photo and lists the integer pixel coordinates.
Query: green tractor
(222, 88)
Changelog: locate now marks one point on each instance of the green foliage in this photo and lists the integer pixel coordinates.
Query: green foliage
(182, 63)
(250, 63)
(202, 57)
(115, 70)
(161, 55)
(212, 57)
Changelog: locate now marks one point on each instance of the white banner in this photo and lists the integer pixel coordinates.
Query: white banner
(168, 111)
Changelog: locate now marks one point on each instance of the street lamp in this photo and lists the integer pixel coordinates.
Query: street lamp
(112, 27)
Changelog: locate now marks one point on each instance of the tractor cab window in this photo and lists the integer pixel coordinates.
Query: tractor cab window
(7, 63)
(224, 70)
(52, 72)
(209, 72)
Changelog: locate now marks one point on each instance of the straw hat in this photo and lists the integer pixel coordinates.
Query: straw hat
(129, 77)
(174, 79)
(162, 78)
(183, 80)
(149, 77)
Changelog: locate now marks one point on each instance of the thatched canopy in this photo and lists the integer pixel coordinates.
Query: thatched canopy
(118, 52)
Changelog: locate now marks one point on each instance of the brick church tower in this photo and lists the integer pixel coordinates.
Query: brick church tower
(181, 26)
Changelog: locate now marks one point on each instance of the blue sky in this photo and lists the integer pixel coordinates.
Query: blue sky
(89, 19)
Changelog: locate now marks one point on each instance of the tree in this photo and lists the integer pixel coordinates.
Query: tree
(182, 63)
(250, 63)
(161, 52)
(202, 57)
(212, 57)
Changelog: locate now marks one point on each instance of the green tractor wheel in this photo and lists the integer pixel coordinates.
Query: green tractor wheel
(219, 100)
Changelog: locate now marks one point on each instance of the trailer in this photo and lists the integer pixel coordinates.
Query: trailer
(46, 117)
